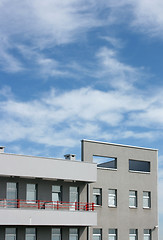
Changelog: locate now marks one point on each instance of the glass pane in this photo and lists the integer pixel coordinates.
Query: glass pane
(73, 237)
(10, 237)
(73, 194)
(31, 192)
(31, 187)
(56, 197)
(112, 237)
(11, 194)
(132, 237)
(112, 201)
(132, 193)
(96, 191)
(112, 231)
(10, 230)
(73, 231)
(95, 237)
(96, 231)
(56, 188)
(56, 237)
(30, 237)
(30, 230)
(146, 202)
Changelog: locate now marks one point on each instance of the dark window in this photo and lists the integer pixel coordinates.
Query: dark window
(140, 166)
(105, 162)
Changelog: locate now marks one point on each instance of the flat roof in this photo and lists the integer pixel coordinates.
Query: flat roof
(120, 145)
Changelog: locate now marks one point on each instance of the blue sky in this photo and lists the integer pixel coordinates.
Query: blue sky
(81, 69)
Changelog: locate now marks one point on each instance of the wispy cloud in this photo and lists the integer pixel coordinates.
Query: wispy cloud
(73, 114)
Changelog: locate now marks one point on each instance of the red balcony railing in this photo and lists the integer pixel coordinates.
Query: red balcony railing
(53, 205)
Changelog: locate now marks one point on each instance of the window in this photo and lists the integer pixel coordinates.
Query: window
(74, 198)
(112, 198)
(139, 166)
(10, 234)
(133, 234)
(146, 199)
(11, 195)
(97, 234)
(147, 234)
(56, 234)
(31, 193)
(133, 199)
(105, 162)
(56, 193)
(73, 234)
(97, 196)
(30, 234)
(112, 234)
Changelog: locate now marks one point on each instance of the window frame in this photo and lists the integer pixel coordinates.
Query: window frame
(133, 197)
(10, 234)
(35, 193)
(112, 196)
(58, 193)
(112, 235)
(56, 234)
(97, 196)
(148, 198)
(149, 235)
(97, 234)
(74, 234)
(32, 234)
(10, 190)
(134, 234)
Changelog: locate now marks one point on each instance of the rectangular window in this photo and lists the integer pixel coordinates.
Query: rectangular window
(97, 196)
(56, 193)
(133, 199)
(133, 234)
(30, 234)
(112, 234)
(97, 234)
(105, 162)
(56, 234)
(74, 198)
(146, 199)
(112, 198)
(147, 234)
(11, 195)
(139, 166)
(73, 234)
(10, 234)
(31, 193)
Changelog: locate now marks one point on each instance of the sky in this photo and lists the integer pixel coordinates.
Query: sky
(77, 69)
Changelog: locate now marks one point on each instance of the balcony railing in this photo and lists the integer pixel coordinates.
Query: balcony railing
(51, 205)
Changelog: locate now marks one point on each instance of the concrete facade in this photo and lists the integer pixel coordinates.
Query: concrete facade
(91, 219)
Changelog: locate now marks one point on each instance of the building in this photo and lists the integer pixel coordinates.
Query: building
(110, 194)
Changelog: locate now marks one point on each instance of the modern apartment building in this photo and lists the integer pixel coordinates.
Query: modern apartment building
(111, 194)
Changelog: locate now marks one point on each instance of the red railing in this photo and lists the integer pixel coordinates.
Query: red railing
(39, 204)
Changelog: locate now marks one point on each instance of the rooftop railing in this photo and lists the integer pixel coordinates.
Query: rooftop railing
(46, 205)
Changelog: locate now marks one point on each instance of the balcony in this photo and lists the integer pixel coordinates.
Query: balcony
(47, 213)
(47, 168)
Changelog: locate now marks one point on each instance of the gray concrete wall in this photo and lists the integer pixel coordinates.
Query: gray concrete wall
(122, 217)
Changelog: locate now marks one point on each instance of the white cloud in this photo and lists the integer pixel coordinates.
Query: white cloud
(115, 42)
(118, 74)
(59, 119)
(141, 15)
